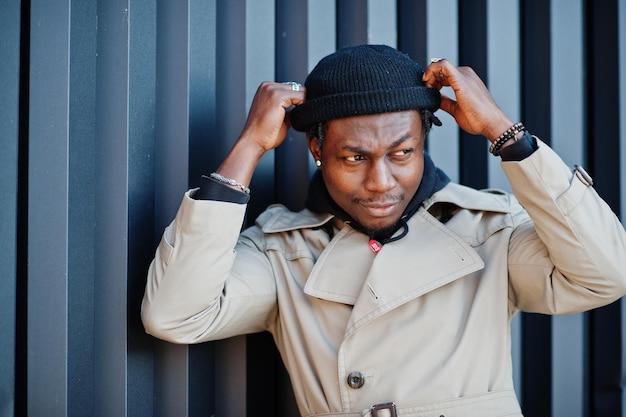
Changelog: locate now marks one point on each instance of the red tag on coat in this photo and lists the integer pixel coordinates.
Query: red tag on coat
(375, 245)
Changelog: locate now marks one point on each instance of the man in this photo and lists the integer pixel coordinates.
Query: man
(392, 292)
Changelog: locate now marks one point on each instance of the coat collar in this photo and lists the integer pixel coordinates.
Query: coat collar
(429, 256)
(277, 219)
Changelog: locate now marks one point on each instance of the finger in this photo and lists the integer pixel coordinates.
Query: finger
(448, 105)
(292, 94)
(435, 73)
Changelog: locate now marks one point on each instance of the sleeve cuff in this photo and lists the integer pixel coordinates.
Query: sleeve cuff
(519, 150)
(214, 190)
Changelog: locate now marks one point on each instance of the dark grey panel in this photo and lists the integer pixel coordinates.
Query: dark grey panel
(171, 169)
(141, 92)
(81, 209)
(48, 208)
(9, 131)
(111, 246)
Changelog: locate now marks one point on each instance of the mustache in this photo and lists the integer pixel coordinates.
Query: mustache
(382, 200)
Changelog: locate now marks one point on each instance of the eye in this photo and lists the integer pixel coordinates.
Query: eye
(354, 158)
(402, 154)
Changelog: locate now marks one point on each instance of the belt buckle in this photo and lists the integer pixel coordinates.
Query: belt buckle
(386, 406)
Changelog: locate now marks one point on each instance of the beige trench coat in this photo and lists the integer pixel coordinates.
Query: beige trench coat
(424, 323)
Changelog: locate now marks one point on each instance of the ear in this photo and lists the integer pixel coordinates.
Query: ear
(316, 152)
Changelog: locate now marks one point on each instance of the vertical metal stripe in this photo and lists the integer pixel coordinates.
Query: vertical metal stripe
(622, 112)
(321, 32)
(111, 170)
(382, 22)
(442, 42)
(21, 242)
(260, 65)
(142, 108)
(81, 209)
(142, 81)
(412, 29)
(9, 132)
(603, 146)
(292, 156)
(321, 38)
(47, 210)
(536, 329)
(351, 22)
(171, 362)
(567, 109)
(202, 84)
(473, 52)
(202, 160)
(622, 165)
(503, 70)
(282, 46)
(503, 52)
(231, 94)
(567, 80)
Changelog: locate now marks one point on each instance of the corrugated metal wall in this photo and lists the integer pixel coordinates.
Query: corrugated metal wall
(112, 108)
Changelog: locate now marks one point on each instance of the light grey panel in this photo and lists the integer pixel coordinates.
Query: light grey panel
(47, 216)
(567, 80)
(503, 65)
(442, 42)
(9, 130)
(322, 38)
(260, 54)
(260, 57)
(568, 374)
(382, 22)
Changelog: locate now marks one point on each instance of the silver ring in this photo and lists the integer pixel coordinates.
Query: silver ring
(441, 76)
(294, 85)
(433, 60)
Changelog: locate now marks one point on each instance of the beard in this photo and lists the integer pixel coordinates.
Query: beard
(381, 233)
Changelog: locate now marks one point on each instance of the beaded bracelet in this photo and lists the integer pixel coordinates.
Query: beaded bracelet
(230, 181)
(510, 133)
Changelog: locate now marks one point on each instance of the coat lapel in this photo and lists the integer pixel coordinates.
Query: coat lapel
(428, 257)
(340, 271)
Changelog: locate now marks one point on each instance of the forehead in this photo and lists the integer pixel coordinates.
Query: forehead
(376, 129)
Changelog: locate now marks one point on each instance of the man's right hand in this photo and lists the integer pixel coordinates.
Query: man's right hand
(266, 128)
(268, 120)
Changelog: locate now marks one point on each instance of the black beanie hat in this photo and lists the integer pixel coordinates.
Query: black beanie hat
(359, 80)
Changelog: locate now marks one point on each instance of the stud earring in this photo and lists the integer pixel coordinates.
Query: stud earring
(318, 163)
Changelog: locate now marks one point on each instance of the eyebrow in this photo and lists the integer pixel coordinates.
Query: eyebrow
(358, 149)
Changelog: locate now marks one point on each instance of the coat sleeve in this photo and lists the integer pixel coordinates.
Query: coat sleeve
(570, 256)
(193, 292)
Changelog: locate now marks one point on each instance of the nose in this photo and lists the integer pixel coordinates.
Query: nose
(380, 177)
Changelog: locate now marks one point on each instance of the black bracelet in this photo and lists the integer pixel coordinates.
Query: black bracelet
(510, 133)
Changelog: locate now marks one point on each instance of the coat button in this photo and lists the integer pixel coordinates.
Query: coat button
(355, 380)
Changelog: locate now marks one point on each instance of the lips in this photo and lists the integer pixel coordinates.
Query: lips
(380, 209)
